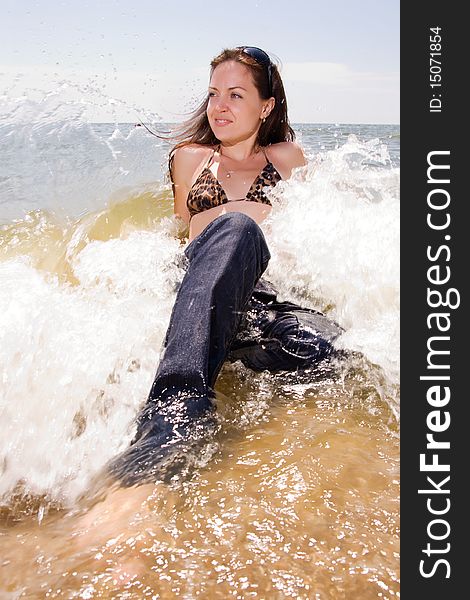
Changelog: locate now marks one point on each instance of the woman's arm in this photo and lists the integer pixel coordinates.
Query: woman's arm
(187, 160)
(179, 177)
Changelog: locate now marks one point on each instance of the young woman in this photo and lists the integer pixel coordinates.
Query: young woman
(236, 145)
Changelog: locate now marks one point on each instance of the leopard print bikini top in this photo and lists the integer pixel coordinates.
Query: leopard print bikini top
(207, 192)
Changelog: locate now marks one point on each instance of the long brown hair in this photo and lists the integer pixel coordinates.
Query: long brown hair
(276, 128)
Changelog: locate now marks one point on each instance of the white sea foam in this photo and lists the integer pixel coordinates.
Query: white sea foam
(77, 362)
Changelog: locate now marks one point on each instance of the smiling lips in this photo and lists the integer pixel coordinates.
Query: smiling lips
(222, 122)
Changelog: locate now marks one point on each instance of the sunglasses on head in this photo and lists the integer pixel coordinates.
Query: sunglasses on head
(261, 58)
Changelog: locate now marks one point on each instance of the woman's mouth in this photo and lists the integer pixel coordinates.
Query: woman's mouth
(222, 122)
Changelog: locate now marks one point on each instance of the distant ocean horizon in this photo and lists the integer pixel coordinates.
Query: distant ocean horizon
(72, 166)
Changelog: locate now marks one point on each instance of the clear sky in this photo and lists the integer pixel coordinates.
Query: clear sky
(339, 59)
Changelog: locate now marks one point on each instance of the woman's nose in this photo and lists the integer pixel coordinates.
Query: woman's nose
(221, 103)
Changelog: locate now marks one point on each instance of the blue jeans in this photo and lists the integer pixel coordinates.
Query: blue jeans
(223, 311)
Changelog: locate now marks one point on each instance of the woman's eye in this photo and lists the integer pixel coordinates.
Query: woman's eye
(232, 95)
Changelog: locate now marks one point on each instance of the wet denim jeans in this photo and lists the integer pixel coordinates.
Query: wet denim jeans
(223, 311)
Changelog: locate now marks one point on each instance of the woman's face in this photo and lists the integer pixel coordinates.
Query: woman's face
(235, 110)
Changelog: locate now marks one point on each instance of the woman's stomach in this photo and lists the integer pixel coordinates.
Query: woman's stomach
(256, 210)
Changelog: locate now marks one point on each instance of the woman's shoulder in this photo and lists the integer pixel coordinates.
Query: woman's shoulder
(186, 159)
(286, 156)
(287, 151)
(190, 153)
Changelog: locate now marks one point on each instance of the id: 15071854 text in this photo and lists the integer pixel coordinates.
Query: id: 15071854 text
(435, 69)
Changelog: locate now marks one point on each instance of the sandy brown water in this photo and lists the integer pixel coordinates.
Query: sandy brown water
(299, 501)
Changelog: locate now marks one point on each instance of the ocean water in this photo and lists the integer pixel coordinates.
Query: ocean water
(297, 497)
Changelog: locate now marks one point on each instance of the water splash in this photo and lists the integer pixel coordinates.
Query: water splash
(53, 158)
(344, 256)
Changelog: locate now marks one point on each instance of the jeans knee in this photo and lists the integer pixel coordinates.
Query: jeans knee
(234, 227)
(238, 221)
(243, 232)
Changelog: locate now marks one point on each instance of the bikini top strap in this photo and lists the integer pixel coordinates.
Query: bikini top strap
(265, 155)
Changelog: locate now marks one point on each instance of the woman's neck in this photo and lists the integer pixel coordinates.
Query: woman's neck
(240, 151)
